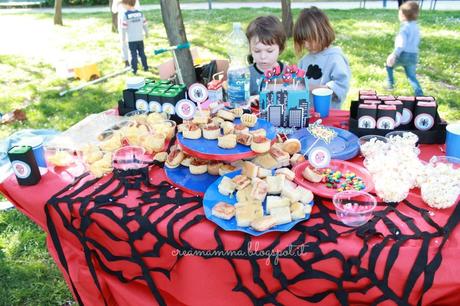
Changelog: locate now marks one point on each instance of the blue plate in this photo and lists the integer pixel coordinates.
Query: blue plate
(208, 149)
(345, 146)
(181, 178)
(212, 197)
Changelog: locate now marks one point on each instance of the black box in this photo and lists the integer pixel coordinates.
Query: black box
(408, 111)
(399, 110)
(425, 115)
(386, 117)
(129, 99)
(24, 165)
(367, 114)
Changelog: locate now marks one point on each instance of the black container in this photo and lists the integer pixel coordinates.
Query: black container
(408, 112)
(399, 110)
(129, 98)
(143, 95)
(425, 115)
(367, 116)
(24, 165)
(386, 117)
(122, 109)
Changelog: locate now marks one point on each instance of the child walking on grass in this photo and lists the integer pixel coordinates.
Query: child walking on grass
(406, 49)
(134, 26)
(325, 64)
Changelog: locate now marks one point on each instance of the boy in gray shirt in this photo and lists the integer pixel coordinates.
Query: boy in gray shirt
(133, 26)
(406, 47)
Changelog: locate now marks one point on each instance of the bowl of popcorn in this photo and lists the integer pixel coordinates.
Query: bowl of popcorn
(440, 187)
(370, 144)
(354, 208)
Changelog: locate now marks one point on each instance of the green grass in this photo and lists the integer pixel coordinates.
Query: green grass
(28, 275)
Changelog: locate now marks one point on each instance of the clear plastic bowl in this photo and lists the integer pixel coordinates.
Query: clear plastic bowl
(363, 140)
(451, 161)
(401, 134)
(129, 157)
(354, 208)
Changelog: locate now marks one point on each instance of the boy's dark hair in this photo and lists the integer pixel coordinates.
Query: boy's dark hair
(268, 30)
(410, 10)
(129, 2)
(312, 25)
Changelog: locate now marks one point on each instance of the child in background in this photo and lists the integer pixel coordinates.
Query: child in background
(406, 47)
(133, 26)
(117, 8)
(325, 65)
(267, 40)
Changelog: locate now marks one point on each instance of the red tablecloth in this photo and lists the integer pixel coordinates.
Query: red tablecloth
(132, 239)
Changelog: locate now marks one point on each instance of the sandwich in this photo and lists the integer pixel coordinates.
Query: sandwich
(245, 214)
(260, 144)
(275, 202)
(292, 146)
(249, 169)
(241, 181)
(227, 141)
(214, 166)
(280, 156)
(249, 120)
(227, 127)
(226, 186)
(264, 223)
(296, 159)
(223, 210)
(192, 131)
(275, 184)
(281, 214)
(312, 175)
(174, 158)
(262, 172)
(289, 174)
(226, 115)
(198, 166)
(244, 139)
(241, 128)
(226, 168)
(211, 131)
(259, 189)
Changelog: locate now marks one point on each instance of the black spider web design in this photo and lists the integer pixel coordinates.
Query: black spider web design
(80, 212)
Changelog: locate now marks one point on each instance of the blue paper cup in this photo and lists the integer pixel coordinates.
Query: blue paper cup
(322, 100)
(453, 140)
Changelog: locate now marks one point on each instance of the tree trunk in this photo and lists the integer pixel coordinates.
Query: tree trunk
(114, 18)
(174, 25)
(288, 24)
(58, 12)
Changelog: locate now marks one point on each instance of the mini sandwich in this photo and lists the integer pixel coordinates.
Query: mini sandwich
(262, 172)
(266, 161)
(186, 161)
(241, 181)
(249, 120)
(226, 186)
(247, 213)
(198, 166)
(306, 196)
(292, 146)
(281, 156)
(281, 214)
(183, 126)
(249, 169)
(244, 139)
(238, 112)
(211, 131)
(214, 166)
(226, 115)
(240, 128)
(290, 192)
(289, 174)
(275, 202)
(200, 118)
(192, 131)
(275, 184)
(244, 194)
(297, 211)
(264, 223)
(225, 168)
(223, 210)
(259, 189)
(217, 121)
(259, 132)
(227, 141)
(260, 144)
(174, 158)
(296, 159)
(227, 127)
(312, 175)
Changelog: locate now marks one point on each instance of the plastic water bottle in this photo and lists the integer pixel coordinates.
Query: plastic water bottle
(238, 75)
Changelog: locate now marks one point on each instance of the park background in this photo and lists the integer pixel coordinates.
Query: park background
(31, 45)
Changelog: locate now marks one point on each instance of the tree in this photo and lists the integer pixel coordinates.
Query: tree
(175, 30)
(114, 17)
(58, 12)
(288, 24)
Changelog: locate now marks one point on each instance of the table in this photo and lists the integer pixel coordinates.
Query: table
(132, 239)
